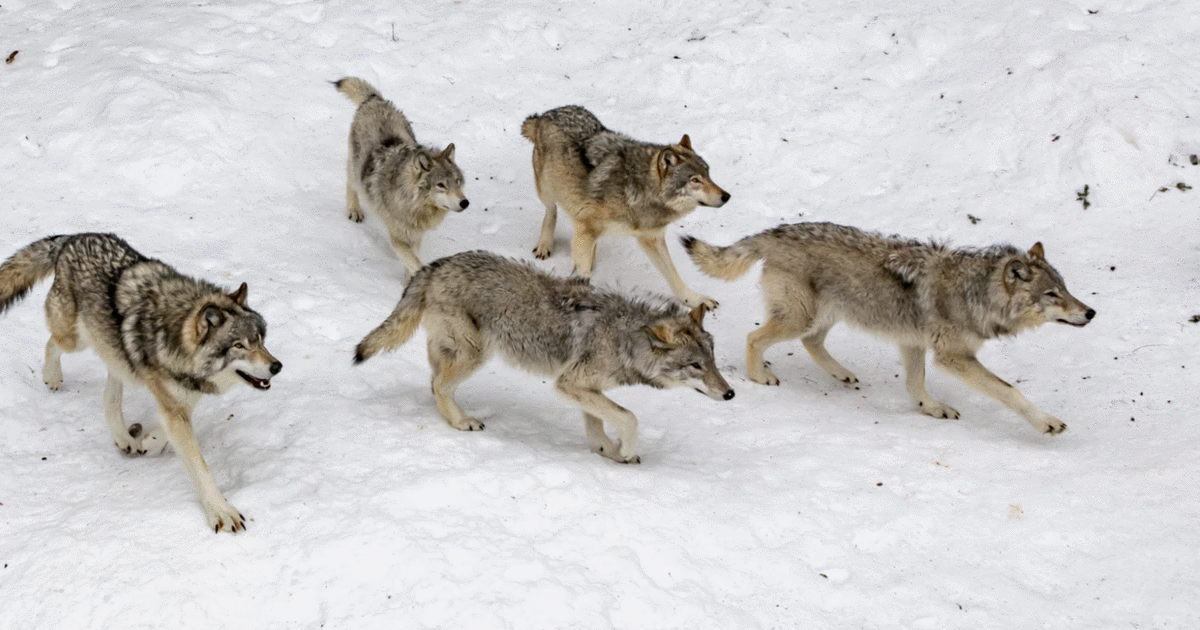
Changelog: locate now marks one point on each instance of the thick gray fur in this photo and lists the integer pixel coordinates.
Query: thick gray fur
(588, 339)
(408, 186)
(179, 336)
(925, 296)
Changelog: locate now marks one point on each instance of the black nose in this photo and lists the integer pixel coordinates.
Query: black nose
(275, 367)
(463, 204)
(725, 197)
(728, 395)
(1090, 314)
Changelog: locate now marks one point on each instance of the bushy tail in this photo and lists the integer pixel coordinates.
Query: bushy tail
(26, 268)
(725, 263)
(356, 89)
(402, 323)
(529, 127)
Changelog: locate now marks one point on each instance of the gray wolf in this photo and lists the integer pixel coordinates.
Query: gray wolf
(609, 183)
(923, 296)
(410, 187)
(589, 340)
(178, 336)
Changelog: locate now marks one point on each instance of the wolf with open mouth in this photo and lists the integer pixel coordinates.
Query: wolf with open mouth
(178, 336)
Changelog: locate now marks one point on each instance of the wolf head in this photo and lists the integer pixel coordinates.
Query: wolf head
(438, 176)
(683, 355)
(1038, 294)
(229, 337)
(685, 175)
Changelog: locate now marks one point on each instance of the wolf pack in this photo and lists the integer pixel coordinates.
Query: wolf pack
(182, 337)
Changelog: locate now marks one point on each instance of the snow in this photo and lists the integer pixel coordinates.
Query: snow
(207, 135)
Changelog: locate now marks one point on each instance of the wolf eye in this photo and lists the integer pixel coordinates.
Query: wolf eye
(696, 366)
(1052, 294)
(696, 179)
(441, 186)
(239, 345)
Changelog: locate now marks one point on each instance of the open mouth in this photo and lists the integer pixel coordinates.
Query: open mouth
(256, 383)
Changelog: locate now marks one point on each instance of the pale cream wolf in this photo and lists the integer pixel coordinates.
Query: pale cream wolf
(410, 187)
(923, 296)
(589, 340)
(609, 183)
(178, 336)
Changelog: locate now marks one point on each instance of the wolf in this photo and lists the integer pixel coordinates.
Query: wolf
(410, 187)
(922, 295)
(588, 339)
(609, 183)
(178, 336)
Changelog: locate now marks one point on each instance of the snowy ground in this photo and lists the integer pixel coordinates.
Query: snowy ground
(207, 135)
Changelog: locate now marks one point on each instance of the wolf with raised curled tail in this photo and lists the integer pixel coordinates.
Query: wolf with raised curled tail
(408, 186)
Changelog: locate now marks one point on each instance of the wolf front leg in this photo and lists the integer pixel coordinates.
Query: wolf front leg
(656, 249)
(177, 421)
(914, 371)
(126, 441)
(972, 372)
(597, 406)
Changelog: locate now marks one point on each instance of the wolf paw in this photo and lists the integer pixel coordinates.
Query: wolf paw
(693, 299)
(153, 442)
(468, 424)
(1049, 425)
(938, 410)
(542, 252)
(847, 379)
(354, 215)
(130, 443)
(764, 377)
(52, 377)
(224, 517)
(612, 450)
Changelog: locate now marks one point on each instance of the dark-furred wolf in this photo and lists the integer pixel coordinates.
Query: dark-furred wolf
(178, 336)
(410, 187)
(588, 339)
(922, 295)
(609, 183)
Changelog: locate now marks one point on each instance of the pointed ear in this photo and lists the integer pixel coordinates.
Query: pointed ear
(239, 296)
(663, 336)
(210, 317)
(1037, 251)
(449, 152)
(697, 313)
(686, 142)
(422, 162)
(666, 159)
(1016, 269)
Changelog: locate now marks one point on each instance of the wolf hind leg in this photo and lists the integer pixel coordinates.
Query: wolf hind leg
(814, 342)
(545, 242)
(914, 381)
(455, 352)
(354, 210)
(52, 370)
(61, 318)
